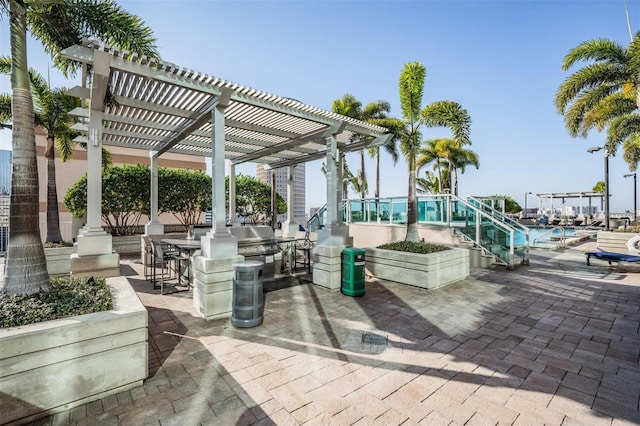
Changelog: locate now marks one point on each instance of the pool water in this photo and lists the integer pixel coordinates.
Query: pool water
(535, 233)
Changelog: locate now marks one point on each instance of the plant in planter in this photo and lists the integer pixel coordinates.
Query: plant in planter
(77, 334)
(67, 297)
(418, 264)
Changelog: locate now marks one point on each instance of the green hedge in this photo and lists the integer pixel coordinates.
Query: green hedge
(414, 247)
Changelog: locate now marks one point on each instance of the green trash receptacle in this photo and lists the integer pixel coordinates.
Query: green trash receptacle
(353, 271)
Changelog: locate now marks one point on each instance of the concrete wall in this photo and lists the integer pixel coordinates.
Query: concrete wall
(372, 235)
(614, 241)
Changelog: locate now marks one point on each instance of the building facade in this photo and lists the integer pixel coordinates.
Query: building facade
(5, 172)
(69, 172)
(282, 178)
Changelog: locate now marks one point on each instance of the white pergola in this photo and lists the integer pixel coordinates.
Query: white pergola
(159, 107)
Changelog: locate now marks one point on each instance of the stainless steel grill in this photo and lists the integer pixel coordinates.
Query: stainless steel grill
(257, 243)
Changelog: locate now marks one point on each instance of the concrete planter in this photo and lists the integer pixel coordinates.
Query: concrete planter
(56, 365)
(127, 244)
(614, 241)
(59, 260)
(428, 271)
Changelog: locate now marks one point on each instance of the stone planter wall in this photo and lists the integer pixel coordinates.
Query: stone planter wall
(59, 260)
(56, 365)
(420, 270)
(614, 241)
(128, 244)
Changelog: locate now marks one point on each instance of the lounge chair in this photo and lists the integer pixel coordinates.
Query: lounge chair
(612, 257)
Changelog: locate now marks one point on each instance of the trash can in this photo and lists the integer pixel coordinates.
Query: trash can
(353, 271)
(247, 308)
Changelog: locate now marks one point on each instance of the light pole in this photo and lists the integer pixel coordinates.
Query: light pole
(606, 182)
(635, 195)
(526, 214)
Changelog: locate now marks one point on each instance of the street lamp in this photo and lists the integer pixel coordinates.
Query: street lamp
(526, 214)
(606, 182)
(635, 195)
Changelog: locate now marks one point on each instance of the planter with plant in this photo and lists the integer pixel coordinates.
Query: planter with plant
(418, 264)
(78, 342)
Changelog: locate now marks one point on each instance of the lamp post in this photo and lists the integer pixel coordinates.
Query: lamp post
(635, 195)
(606, 182)
(526, 214)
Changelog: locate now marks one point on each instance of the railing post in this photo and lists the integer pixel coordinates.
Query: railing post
(478, 227)
(512, 253)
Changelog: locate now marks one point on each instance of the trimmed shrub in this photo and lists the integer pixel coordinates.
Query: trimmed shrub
(414, 247)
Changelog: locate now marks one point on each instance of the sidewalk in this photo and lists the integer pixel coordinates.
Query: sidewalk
(555, 342)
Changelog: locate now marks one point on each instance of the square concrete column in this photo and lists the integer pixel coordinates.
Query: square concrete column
(154, 227)
(290, 226)
(94, 252)
(213, 268)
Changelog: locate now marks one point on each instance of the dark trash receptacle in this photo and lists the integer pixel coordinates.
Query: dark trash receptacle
(247, 308)
(353, 271)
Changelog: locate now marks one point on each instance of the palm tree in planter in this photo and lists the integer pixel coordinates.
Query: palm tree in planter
(58, 25)
(442, 113)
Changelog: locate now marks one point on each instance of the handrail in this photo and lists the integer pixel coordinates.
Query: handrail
(482, 218)
(563, 237)
(498, 214)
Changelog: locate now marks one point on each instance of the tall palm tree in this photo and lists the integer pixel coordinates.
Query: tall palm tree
(605, 92)
(442, 113)
(390, 147)
(448, 157)
(374, 113)
(57, 25)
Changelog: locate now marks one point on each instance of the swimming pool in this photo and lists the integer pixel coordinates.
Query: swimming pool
(551, 236)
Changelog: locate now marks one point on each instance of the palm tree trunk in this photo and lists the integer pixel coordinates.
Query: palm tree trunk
(26, 268)
(53, 215)
(377, 194)
(363, 192)
(412, 202)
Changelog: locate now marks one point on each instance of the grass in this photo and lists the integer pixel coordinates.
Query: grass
(68, 297)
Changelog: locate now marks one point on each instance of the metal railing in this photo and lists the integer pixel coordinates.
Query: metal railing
(494, 233)
(551, 231)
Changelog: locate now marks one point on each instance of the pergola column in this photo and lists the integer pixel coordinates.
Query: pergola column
(154, 227)
(334, 237)
(232, 195)
(335, 233)
(213, 268)
(94, 252)
(290, 226)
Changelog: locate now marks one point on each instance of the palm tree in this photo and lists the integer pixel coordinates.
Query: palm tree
(430, 184)
(449, 156)
(374, 113)
(442, 113)
(57, 25)
(603, 93)
(390, 147)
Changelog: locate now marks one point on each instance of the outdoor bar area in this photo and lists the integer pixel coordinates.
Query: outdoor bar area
(161, 108)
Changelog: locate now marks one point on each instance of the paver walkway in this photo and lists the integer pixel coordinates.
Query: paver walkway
(555, 343)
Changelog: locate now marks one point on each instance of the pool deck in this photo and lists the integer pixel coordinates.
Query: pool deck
(556, 342)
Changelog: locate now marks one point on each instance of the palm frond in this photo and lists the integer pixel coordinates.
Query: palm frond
(59, 25)
(620, 129)
(451, 115)
(601, 49)
(411, 89)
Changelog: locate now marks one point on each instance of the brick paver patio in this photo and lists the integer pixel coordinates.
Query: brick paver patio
(556, 342)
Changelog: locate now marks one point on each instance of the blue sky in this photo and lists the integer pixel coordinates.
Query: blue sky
(499, 59)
